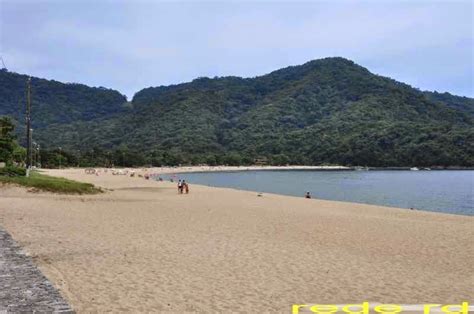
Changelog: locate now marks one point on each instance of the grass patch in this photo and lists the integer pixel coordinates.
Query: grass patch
(52, 184)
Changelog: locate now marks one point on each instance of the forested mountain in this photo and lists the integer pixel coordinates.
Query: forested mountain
(456, 102)
(56, 102)
(325, 111)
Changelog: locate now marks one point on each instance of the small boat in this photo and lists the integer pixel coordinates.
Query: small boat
(426, 168)
(414, 169)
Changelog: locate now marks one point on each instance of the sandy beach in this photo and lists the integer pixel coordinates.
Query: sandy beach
(142, 247)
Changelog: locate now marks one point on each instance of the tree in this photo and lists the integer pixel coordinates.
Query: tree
(7, 141)
(19, 154)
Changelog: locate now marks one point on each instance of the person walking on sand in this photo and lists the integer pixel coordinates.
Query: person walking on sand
(180, 187)
(307, 195)
(186, 187)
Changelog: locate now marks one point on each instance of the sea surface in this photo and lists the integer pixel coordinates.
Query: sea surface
(445, 191)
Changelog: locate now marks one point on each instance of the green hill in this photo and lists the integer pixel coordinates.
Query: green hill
(324, 111)
(56, 102)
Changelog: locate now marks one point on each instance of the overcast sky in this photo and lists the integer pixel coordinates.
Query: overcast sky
(129, 45)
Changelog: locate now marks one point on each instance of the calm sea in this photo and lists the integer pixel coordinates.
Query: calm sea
(442, 191)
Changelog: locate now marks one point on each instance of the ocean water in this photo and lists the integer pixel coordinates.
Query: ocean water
(441, 191)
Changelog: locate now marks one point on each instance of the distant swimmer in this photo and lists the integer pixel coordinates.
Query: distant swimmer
(307, 195)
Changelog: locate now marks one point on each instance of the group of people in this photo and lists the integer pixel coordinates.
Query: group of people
(183, 187)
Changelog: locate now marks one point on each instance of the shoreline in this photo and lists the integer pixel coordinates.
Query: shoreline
(302, 196)
(204, 169)
(192, 169)
(223, 168)
(305, 168)
(347, 203)
(156, 172)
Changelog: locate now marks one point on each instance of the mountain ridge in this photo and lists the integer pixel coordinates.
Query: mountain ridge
(325, 111)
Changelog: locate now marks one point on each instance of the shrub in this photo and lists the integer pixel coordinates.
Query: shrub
(12, 171)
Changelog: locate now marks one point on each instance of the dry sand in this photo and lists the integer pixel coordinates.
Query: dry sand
(142, 247)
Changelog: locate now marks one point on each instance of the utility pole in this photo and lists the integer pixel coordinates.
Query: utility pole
(32, 151)
(39, 156)
(60, 156)
(35, 154)
(28, 127)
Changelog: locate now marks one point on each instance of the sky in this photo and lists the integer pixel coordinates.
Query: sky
(130, 45)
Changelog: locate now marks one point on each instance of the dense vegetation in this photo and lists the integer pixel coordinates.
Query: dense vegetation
(13, 171)
(55, 102)
(328, 111)
(462, 103)
(10, 151)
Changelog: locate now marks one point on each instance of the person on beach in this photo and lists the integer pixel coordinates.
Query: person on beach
(180, 187)
(186, 187)
(307, 195)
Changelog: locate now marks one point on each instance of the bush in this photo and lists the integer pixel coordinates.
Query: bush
(11, 171)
